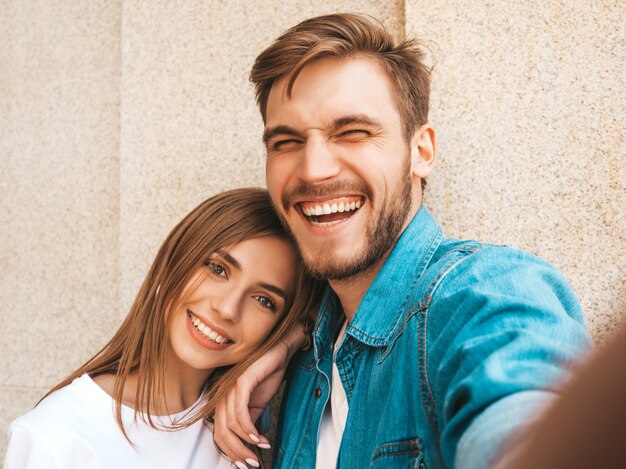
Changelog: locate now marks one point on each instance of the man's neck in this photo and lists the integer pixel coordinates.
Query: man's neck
(351, 290)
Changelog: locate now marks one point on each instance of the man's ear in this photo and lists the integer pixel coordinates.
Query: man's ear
(423, 151)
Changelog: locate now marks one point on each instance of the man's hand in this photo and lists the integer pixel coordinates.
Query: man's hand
(253, 391)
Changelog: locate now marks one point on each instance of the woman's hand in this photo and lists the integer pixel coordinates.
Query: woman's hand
(253, 391)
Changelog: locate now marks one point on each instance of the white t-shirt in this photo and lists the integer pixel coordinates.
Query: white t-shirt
(75, 428)
(334, 418)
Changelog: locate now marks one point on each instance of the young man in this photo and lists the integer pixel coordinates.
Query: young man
(426, 351)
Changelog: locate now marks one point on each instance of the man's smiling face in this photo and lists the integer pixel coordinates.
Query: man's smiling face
(338, 166)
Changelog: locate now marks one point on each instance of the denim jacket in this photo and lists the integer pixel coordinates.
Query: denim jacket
(452, 348)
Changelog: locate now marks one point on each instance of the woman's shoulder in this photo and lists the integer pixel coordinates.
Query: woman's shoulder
(75, 426)
(78, 400)
(40, 437)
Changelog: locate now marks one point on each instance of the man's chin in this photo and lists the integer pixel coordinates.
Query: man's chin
(329, 266)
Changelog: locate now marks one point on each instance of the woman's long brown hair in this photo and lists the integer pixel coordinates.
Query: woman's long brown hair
(142, 342)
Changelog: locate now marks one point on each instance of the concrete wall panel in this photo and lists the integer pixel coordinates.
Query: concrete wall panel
(190, 126)
(529, 104)
(117, 118)
(59, 173)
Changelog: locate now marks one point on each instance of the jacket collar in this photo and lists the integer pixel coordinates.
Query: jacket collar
(383, 303)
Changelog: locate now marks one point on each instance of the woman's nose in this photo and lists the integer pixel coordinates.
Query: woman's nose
(227, 303)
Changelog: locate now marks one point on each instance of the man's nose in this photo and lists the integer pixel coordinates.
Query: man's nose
(318, 163)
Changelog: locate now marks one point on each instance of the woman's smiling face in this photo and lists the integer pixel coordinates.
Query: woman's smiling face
(232, 304)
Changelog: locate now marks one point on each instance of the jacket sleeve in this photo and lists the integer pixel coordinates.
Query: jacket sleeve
(25, 451)
(502, 328)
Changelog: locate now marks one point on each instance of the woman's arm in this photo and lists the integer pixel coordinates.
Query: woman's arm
(253, 391)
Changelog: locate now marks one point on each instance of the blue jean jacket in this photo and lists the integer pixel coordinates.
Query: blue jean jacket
(452, 348)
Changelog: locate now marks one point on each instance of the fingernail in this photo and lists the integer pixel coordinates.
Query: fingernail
(264, 445)
(252, 462)
(240, 465)
(253, 437)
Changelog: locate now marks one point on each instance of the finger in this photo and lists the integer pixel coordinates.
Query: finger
(263, 443)
(230, 443)
(241, 412)
(232, 421)
(236, 460)
(252, 437)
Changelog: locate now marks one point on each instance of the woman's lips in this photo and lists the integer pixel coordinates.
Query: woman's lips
(208, 336)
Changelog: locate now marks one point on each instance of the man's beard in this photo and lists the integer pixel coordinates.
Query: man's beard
(381, 233)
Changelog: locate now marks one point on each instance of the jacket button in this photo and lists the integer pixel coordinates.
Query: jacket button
(317, 393)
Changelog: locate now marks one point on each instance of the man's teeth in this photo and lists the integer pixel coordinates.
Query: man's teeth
(207, 331)
(326, 209)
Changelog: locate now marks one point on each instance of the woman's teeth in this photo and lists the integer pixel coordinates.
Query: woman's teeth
(206, 331)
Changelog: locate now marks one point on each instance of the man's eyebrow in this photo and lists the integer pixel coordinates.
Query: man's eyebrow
(362, 119)
(351, 119)
(273, 288)
(279, 130)
(230, 259)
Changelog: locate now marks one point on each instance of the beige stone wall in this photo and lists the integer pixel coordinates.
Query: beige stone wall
(116, 118)
(59, 191)
(530, 107)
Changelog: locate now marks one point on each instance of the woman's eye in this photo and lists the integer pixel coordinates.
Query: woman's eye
(266, 302)
(216, 268)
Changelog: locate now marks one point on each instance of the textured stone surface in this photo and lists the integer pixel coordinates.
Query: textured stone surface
(118, 117)
(190, 126)
(59, 172)
(529, 104)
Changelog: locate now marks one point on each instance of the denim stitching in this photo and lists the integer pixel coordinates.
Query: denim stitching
(414, 444)
(416, 308)
(344, 379)
(300, 446)
(432, 248)
(421, 363)
(428, 254)
(460, 253)
(394, 333)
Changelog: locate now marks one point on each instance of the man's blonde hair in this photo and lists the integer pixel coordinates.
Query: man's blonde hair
(343, 35)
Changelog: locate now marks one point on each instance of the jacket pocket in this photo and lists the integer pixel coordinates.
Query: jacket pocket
(405, 454)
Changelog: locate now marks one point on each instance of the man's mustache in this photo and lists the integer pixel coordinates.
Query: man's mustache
(305, 191)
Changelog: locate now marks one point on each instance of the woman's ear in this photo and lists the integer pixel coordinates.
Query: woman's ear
(423, 151)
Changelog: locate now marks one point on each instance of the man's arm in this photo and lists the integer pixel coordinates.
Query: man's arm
(586, 427)
(502, 328)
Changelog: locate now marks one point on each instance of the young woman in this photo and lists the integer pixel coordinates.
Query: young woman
(225, 287)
